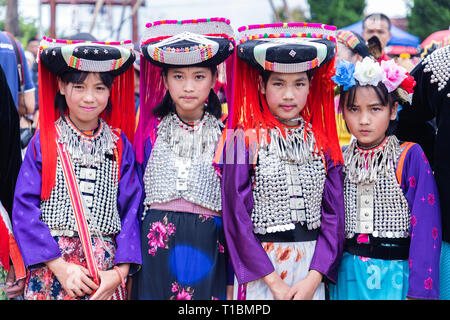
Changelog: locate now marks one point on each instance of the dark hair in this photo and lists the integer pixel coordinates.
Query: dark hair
(78, 77)
(386, 98)
(265, 74)
(32, 39)
(166, 106)
(381, 16)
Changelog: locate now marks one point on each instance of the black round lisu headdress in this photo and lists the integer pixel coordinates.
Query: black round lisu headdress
(287, 47)
(199, 42)
(60, 56)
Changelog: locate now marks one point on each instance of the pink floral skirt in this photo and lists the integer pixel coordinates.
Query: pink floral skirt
(183, 257)
(42, 284)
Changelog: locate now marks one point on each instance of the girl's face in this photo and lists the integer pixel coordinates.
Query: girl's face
(189, 87)
(286, 95)
(368, 119)
(86, 101)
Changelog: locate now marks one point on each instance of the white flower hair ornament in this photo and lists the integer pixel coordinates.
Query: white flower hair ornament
(370, 72)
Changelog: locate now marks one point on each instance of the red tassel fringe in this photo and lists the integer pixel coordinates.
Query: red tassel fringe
(249, 113)
(122, 116)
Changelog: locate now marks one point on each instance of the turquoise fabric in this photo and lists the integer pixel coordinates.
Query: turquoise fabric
(370, 279)
(444, 272)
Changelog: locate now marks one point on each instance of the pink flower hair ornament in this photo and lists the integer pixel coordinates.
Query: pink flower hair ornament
(393, 74)
(370, 72)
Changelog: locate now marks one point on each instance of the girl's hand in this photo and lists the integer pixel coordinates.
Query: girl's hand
(109, 281)
(305, 289)
(277, 286)
(14, 288)
(230, 289)
(74, 278)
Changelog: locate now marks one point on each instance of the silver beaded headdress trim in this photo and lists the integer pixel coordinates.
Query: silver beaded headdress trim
(86, 150)
(438, 64)
(163, 52)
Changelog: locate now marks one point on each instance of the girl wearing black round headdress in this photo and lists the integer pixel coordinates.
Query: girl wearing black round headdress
(183, 245)
(77, 194)
(283, 206)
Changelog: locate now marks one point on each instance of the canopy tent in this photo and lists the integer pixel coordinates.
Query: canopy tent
(398, 36)
(441, 37)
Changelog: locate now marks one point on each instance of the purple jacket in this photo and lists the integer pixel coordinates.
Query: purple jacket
(249, 260)
(33, 236)
(419, 188)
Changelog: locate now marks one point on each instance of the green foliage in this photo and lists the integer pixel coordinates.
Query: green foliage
(428, 16)
(339, 13)
(27, 27)
(297, 15)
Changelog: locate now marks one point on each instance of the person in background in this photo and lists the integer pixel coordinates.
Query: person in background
(379, 25)
(12, 275)
(431, 102)
(20, 82)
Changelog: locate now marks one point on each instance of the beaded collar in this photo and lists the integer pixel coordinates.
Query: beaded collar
(362, 166)
(87, 150)
(190, 140)
(295, 146)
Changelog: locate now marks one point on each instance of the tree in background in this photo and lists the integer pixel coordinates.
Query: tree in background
(286, 14)
(12, 18)
(22, 29)
(428, 16)
(339, 13)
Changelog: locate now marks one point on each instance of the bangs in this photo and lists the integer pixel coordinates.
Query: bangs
(384, 97)
(78, 77)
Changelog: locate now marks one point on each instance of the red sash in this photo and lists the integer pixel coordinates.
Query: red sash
(77, 202)
(78, 209)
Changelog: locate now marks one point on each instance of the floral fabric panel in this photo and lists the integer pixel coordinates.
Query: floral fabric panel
(187, 253)
(291, 261)
(41, 283)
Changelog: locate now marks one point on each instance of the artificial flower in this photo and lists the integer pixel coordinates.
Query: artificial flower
(344, 74)
(408, 84)
(393, 74)
(368, 72)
